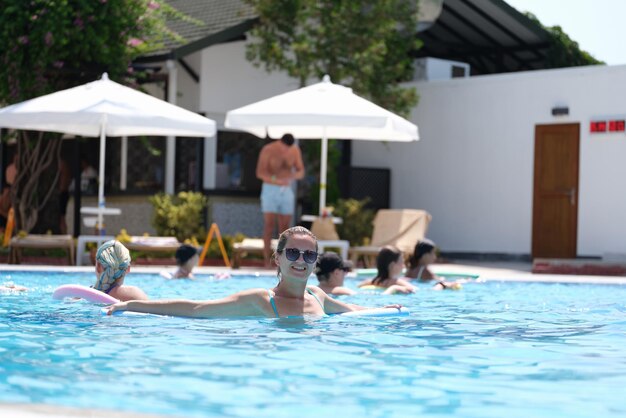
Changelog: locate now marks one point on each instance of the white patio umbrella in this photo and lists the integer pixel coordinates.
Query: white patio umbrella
(321, 111)
(104, 108)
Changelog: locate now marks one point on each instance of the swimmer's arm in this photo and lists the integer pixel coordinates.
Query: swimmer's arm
(396, 288)
(334, 306)
(244, 303)
(400, 286)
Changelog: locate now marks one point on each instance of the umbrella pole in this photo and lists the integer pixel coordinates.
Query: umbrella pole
(101, 176)
(323, 168)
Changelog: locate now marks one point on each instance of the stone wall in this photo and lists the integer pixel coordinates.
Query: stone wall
(232, 214)
(135, 218)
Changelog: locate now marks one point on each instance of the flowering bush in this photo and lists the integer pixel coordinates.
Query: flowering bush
(47, 46)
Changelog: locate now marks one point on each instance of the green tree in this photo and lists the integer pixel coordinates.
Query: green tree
(364, 44)
(563, 51)
(361, 43)
(51, 45)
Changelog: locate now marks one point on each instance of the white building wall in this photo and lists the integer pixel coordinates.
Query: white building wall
(188, 92)
(229, 81)
(473, 167)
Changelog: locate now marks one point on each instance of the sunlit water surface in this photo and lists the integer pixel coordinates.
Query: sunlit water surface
(490, 350)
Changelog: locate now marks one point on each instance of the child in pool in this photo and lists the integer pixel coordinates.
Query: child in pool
(112, 264)
(425, 253)
(389, 263)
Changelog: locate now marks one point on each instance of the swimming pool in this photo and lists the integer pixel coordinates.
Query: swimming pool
(493, 349)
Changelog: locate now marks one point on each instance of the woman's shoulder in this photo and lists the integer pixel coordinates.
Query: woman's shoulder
(316, 289)
(343, 291)
(256, 292)
(126, 292)
(412, 273)
(365, 282)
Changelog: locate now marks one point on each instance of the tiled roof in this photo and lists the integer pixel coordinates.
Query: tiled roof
(221, 19)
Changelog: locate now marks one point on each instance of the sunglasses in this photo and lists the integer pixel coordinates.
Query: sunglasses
(308, 256)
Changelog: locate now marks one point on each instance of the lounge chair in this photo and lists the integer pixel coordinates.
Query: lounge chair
(401, 228)
(249, 246)
(17, 243)
(147, 243)
(327, 236)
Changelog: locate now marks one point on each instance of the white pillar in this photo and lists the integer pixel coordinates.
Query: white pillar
(170, 144)
(323, 170)
(209, 175)
(124, 163)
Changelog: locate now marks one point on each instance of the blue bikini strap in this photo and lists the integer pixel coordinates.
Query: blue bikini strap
(316, 298)
(269, 293)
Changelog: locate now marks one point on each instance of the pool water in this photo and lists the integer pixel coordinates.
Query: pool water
(490, 350)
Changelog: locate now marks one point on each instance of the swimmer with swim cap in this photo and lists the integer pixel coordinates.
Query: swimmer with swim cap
(112, 264)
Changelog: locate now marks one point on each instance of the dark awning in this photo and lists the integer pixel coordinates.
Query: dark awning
(489, 35)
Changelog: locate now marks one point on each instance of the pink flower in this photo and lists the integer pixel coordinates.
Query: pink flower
(58, 64)
(23, 39)
(48, 38)
(153, 5)
(134, 42)
(79, 22)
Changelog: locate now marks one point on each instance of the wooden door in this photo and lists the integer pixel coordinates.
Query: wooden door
(555, 196)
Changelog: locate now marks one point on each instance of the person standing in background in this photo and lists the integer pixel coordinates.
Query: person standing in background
(279, 164)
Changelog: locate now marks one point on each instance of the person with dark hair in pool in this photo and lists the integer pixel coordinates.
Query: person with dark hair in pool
(112, 265)
(187, 257)
(331, 270)
(279, 164)
(295, 258)
(389, 263)
(425, 253)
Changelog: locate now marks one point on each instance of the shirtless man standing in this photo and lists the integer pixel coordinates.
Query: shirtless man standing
(279, 163)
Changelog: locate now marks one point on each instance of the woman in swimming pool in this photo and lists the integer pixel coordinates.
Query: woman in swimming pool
(390, 264)
(112, 264)
(425, 253)
(295, 257)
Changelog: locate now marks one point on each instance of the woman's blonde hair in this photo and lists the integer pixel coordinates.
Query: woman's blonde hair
(115, 261)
